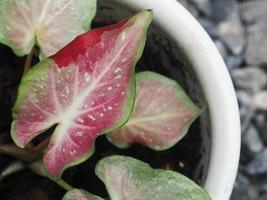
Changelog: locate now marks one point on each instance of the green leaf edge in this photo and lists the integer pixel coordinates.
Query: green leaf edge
(87, 194)
(152, 172)
(33, 73)
(181, 94)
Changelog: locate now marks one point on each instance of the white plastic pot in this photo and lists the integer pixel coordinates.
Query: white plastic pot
(196, 49)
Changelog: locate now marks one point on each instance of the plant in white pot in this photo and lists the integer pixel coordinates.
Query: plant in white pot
(206, 78)
(88, 88)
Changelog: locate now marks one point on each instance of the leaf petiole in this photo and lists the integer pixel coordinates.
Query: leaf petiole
(22, 154)
(38, 168)
(28, 61)
(64, 185)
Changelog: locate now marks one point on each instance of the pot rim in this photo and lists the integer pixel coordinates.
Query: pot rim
(205, 59)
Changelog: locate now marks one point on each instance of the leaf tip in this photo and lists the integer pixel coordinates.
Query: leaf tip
(14, 137)
(54, 172)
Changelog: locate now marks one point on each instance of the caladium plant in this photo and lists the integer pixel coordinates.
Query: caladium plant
(129, 179)
(49, 24)
(162, 114)
(86, 89)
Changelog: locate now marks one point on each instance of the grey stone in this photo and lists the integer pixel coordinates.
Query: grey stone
(244, 98)
(259, 164)
(246, 111)
(246, 115)
(192, 9)
(226, 15)
(260, 182)
(254, 11)
(243, 189)
(251, 78)
(260, 122)
(222, 9)
(232, 32)
(263, 189)
(209, 26)
(256, 50)
(234, 61)
(263, 197)
(252, 140)
(260, 100)
(203, 6)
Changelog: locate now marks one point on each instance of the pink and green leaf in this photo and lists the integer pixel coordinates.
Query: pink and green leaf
(78, 194)
(161, 117)
(49, 24)
(86, 89)
(131, 179)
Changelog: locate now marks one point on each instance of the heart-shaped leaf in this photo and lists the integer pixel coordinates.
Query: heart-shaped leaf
(49, 24)
(77, 194)
(131, 179)
(162, 114)
(86, 89)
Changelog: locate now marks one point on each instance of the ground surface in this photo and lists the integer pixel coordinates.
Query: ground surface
(239, 29)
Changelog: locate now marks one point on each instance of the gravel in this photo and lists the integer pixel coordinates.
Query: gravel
(260, 123)
(239, 30)
(254, 11)
(250, 78)
(256, 50)
(258, 165)
(259, 100)
(252, 140)
(244, 190)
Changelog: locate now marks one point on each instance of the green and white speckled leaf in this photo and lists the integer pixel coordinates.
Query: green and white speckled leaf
(49, 24)
(131, 179)
(78, 194)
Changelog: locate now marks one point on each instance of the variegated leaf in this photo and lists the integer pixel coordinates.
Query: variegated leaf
(162, 114)
(86, 89)
(131, 179)
(49, 24)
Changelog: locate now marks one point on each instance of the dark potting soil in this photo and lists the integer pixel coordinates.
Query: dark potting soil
(26, 185)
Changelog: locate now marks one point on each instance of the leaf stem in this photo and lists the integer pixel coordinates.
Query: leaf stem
(37, 167)
(22, 154)
(28, 61)
(64, 185)
(12, 169)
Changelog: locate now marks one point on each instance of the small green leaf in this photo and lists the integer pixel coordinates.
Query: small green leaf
(78, 194)
(131, 179)
(162, 114)
(49, 24)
